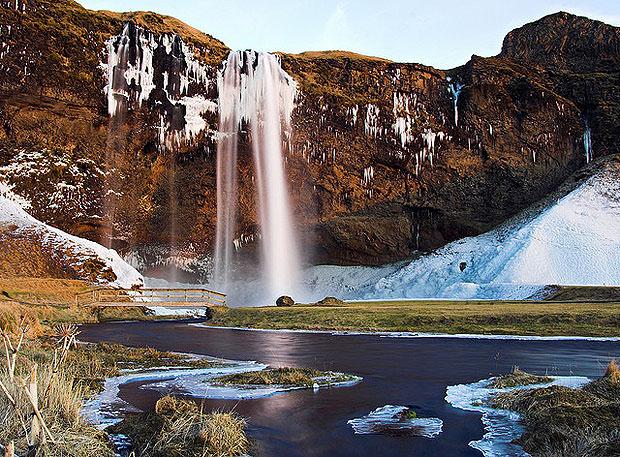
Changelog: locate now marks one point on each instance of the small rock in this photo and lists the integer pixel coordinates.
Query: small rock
(285, 300)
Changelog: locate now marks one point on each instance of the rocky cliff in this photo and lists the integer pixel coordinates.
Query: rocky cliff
(385, 159)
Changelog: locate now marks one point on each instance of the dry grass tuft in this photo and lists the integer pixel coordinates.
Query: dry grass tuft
(613, 372)
(179, 428)
(516, 378)
(60, 403)
(560, 421)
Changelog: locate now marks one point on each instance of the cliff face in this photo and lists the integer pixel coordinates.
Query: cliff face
(385, 159)
(581, 58)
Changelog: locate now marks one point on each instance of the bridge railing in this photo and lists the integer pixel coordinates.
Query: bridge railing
(150, 297)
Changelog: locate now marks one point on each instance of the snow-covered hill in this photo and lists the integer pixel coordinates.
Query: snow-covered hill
(574, 239)
(78, 255)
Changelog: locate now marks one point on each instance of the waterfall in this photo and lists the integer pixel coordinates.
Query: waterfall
(255, 92)
(229, 88)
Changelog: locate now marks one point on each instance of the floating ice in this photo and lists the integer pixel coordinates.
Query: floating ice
(390, 420)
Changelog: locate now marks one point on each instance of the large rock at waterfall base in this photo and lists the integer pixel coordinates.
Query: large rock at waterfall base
(285, 300)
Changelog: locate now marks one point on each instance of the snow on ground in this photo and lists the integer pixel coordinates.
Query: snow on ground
(11, 213)
(572, 241)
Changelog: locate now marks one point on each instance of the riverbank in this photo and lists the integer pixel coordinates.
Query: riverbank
(410, 372)
(558, 419)
(546, 318)
(37, 328)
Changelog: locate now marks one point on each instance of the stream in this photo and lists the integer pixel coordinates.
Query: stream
(396, 370)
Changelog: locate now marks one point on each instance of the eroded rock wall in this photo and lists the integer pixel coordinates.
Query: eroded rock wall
(382, 161)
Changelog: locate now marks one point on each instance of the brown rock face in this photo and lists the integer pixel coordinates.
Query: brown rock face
(581, 57)
(378, 166)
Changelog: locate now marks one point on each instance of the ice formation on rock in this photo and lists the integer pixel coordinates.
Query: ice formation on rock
(587, 143)
(455, 89)
(572, 240)
(140, 63)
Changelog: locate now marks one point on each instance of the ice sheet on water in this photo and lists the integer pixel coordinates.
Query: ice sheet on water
(107, 408)
(502, 427)
(388, 420)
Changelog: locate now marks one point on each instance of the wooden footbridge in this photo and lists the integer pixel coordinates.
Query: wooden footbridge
(148, 298)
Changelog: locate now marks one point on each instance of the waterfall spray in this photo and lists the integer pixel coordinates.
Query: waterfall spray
(255, 91)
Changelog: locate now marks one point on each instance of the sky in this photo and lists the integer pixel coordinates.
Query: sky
(443, 34)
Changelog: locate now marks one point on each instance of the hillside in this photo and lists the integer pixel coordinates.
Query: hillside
(387, 159)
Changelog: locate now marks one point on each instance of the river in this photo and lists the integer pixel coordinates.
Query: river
(398, 371)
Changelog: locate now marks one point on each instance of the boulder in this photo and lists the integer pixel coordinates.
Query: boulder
(285, 300)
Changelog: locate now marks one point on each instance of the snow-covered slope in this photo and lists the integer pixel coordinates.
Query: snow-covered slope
(77, 251)
(572, 240)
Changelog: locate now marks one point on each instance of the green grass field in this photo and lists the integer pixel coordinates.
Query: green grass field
(498, 317)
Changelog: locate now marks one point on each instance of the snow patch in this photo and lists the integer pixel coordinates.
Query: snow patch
(11, 213)
(572, 241)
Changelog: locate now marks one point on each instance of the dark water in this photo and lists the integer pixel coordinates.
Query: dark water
(398, 371)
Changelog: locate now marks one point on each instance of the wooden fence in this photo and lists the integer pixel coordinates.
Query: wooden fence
(169, 298)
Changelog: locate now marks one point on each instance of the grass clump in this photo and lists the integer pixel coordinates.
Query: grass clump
(408, 414)
(41, 398)
(301, 377)
(180, 428)
(517, 378)
(560, 421)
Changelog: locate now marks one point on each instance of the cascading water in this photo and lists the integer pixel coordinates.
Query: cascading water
(229, 89)
(254, 91)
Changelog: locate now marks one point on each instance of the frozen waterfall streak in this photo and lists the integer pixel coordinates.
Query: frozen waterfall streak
(274, 94)
(229, 88)
(116, 141)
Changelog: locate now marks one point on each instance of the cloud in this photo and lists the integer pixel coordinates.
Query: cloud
(337, 31)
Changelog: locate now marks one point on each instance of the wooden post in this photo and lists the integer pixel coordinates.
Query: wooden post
(36, 437)
(9, 450)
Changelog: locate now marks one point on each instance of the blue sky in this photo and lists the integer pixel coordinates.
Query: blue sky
(443, 34)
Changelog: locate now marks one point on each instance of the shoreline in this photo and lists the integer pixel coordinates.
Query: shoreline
(386, 334)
